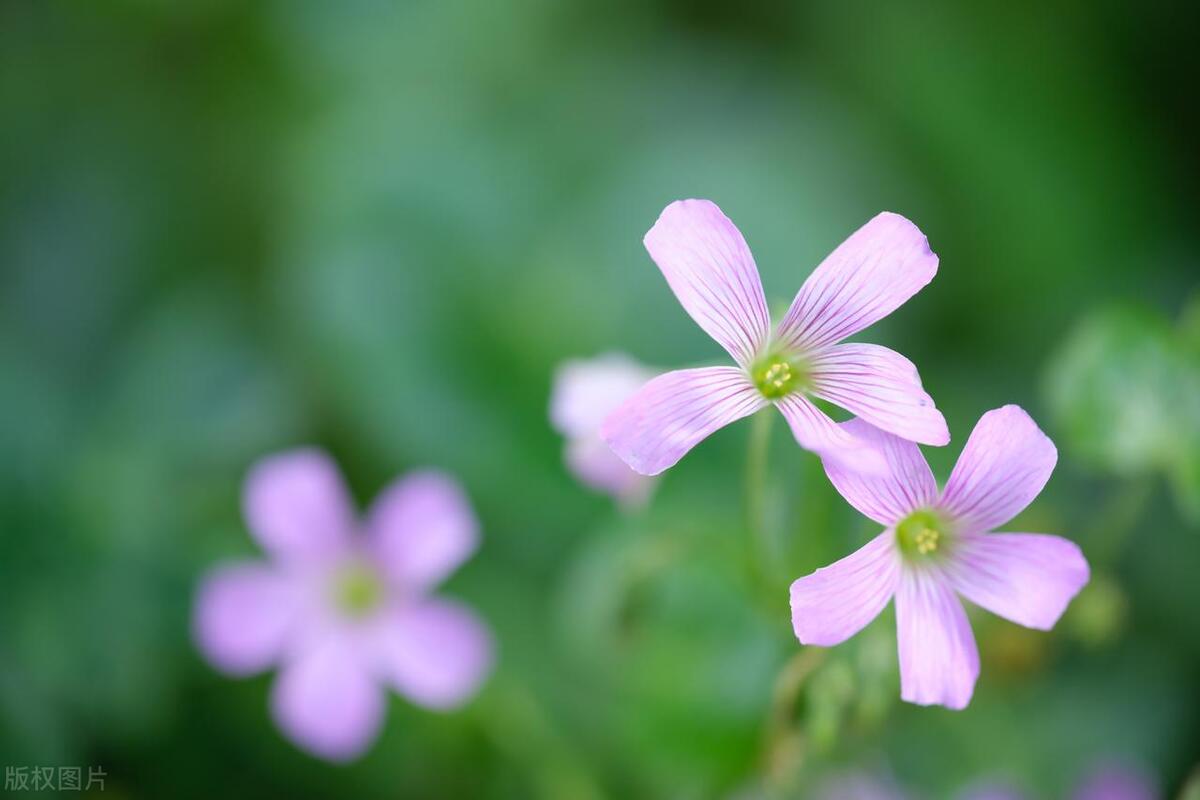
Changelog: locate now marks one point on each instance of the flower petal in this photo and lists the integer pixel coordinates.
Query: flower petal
(815, 431)
(436, 653)
(709, 268)
(880, 386)
(326, 701)
(673, 413)
(938, 658)
(1028, 578)
(588, 390)
(421, 528)
(867, 277)
(242, 617)
(836, 602)
(887, 495)
(297, 505)
(1005, 464)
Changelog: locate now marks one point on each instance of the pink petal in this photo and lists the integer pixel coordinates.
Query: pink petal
(867, 277)
(837, 601)
(888, 495)
(709, 267)
(880, 386)
(242, 617)
(326, 701)
(1002, 469)
(938, 658)
(588, 390)
(1028, 578)
(297, 506)
(421, 528)
(815, 431)
(674, 412)
(436, 653)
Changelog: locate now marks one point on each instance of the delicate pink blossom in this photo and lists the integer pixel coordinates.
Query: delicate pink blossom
(937, 545)
(709, 268)
(344, 608)
(585, 392)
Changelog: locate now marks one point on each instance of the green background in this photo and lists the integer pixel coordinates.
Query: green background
(228, 228)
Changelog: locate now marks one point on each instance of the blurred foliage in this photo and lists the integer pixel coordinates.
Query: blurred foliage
(231, 227)
(1126, 389)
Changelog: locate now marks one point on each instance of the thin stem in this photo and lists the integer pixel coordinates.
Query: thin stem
(761, 555)
(513, 717)
(785, 746)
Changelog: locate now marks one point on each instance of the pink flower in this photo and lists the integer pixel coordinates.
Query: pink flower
(584, 393)
(709, 268)
(344, 608)
(936, 547)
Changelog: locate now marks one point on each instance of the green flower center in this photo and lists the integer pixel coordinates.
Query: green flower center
(923, 534)
(357, 589)
(777, 377)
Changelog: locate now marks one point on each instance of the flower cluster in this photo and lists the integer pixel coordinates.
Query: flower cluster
(937, 544)
(345, 608)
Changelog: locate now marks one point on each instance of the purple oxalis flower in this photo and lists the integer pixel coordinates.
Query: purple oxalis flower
(345, 608)
(937, 545)
(585, 392)
(709, 268)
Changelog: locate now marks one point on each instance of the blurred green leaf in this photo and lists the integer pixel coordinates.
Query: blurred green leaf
(1126, 392)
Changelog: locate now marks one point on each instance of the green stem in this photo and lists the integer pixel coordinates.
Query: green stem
(785, 745)
(512, 716)
(761, 559)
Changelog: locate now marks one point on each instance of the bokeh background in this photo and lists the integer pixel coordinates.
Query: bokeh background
(228, 228)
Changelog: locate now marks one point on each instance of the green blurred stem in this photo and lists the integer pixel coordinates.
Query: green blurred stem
(756, 494)
(785, 745)
(518, 725)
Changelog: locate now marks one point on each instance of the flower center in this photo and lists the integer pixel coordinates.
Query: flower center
(923, 534)
(776, 377)
(357, 589)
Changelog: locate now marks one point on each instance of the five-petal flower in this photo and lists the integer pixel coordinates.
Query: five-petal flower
(343, 612)
(936, 546)
(710, 269)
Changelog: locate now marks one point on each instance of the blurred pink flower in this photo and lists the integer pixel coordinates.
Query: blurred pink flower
(710, 269)
(584, 393)
(1106, 780)
(345, 608)
(937, 545)
(1116, 780)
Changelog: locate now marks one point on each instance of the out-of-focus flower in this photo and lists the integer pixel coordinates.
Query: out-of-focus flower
(1116, 780)
(1107, 780)
(345, 608)
(991, 790)
(937, 545)
(585, 392)
(859, 786)
(710, 269)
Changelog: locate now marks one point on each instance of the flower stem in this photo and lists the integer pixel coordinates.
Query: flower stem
(760, 561)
